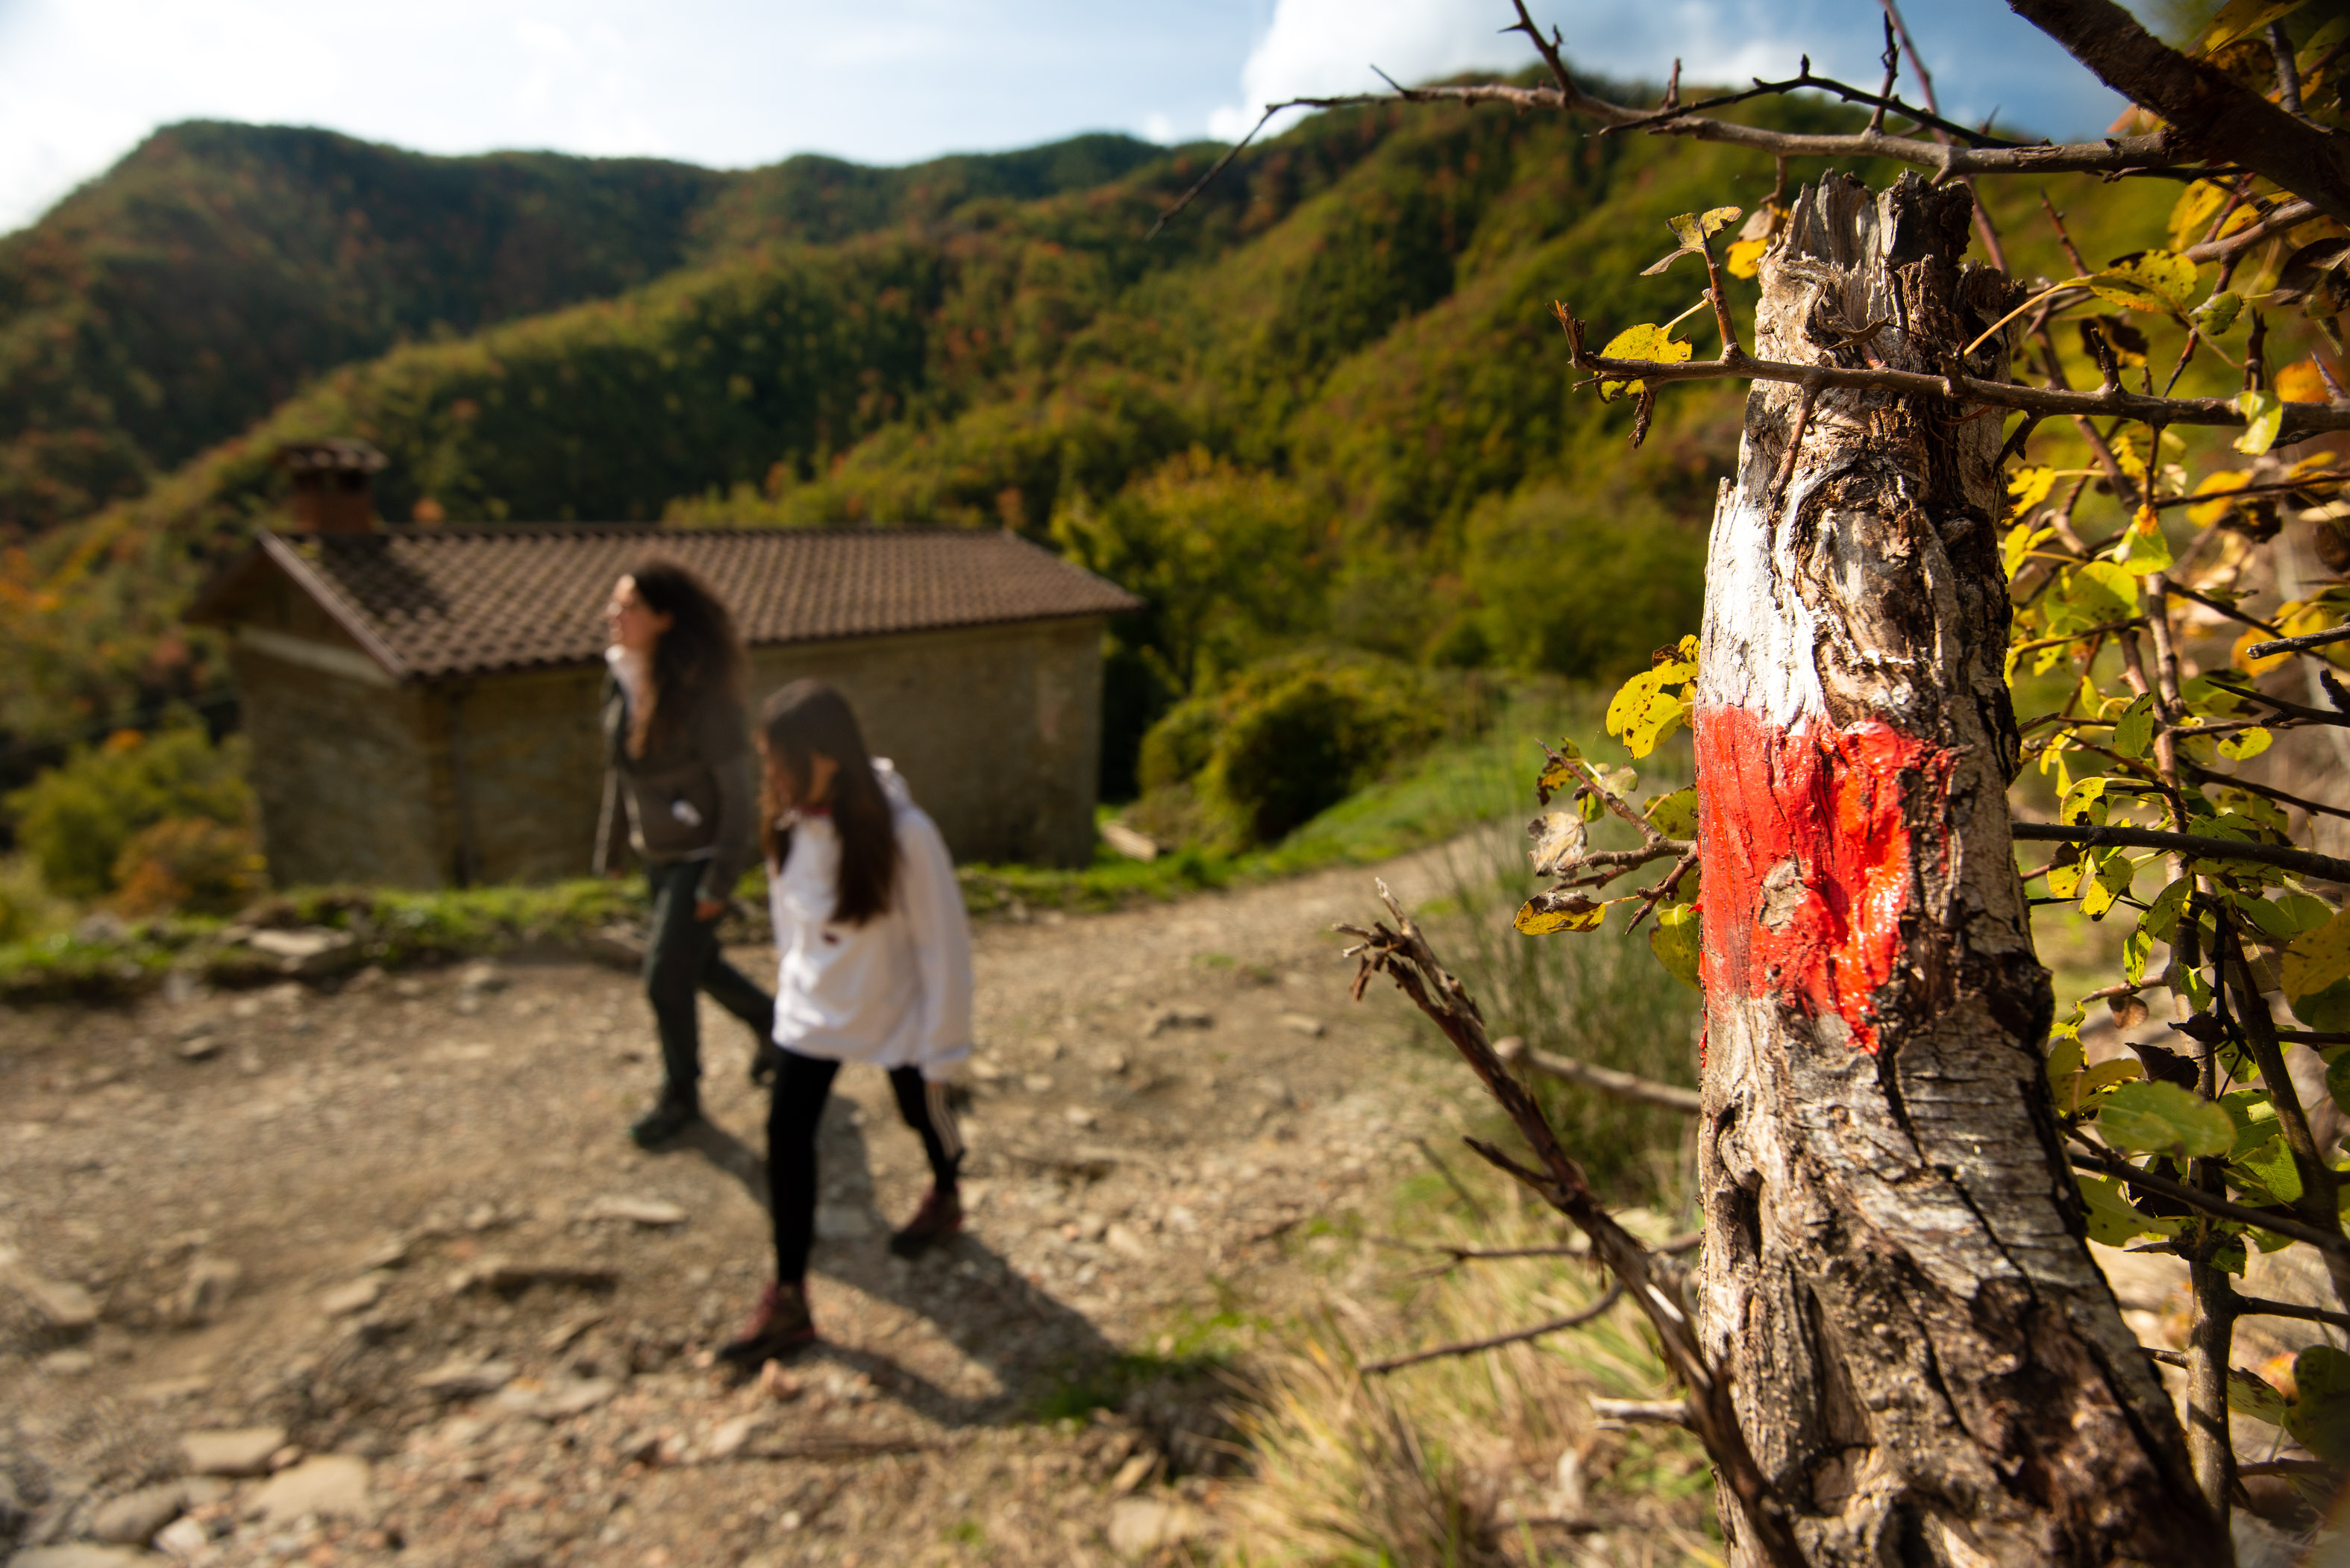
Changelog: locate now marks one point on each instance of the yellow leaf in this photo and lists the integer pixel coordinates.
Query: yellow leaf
(2193, 212)
(2318, 960)
(2030, 487)
(2246, 662)
(1745, 258)
(2150, 280)
(1546, 913)
(2242, 19)
(1674, 814)
(2210, 511)
(2302, 382)
(2126, 459)
(1646, 341)
(2244, 744)
(2021, 541)
(2263, 417)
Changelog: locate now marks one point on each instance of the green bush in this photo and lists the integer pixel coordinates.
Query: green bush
(1288, 737)
(77, 820)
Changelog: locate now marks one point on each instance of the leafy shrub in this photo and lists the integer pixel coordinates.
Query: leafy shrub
(25, 907)
(1289, 737)
(191, 864)
(1582, 583)
(77, 820)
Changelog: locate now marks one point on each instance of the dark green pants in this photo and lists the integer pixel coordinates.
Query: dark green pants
(681, 958)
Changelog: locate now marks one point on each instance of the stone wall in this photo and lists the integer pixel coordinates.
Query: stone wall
(343, 770)
(499, 778)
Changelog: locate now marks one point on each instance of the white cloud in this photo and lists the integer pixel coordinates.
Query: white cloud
(1322, 48)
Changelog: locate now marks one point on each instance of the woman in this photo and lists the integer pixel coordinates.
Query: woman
(678, 758)
(875, 967)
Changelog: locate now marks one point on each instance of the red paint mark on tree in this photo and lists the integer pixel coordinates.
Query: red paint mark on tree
(1806, 859)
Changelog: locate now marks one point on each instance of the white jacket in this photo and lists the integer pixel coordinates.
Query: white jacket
(894, 991)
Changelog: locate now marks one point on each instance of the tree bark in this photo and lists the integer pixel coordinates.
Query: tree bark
(1927, 1364)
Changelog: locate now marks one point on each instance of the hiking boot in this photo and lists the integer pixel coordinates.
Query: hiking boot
(940, 1217)
(663, 1122)
(778, 1326)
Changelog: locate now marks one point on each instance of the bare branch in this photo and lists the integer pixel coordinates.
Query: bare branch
(1643, 1412)
(1513, 1050)
(1210, 177)
(1613, 1293)
(2297, 644)
(2261, 1306)
(2302, 421)
(2223, 117)
(2285, 857)
(1402, 953)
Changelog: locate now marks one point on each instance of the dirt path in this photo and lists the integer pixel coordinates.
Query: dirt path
(400, 1223)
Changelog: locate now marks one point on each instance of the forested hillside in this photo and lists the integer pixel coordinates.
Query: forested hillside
(1327, 404)
(217, 268)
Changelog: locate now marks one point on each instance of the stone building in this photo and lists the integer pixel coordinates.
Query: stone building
(422, 701)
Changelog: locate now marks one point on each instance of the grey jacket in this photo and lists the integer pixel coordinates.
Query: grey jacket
(689, 796)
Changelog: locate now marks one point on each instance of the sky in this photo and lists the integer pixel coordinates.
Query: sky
(738, 83)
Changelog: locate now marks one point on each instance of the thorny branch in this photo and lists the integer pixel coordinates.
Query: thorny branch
(1403, 954)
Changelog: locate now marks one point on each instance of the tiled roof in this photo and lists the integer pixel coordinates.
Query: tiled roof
(434, 602)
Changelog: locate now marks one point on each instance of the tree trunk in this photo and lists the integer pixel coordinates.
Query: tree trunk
(1926, 1362)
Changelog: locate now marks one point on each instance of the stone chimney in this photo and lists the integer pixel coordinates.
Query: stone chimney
(333, 485)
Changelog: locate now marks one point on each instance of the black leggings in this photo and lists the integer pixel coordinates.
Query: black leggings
(793, 1109)
(683, 957)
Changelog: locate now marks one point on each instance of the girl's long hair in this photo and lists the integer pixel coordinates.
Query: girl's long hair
(700, 647)
(809, 719)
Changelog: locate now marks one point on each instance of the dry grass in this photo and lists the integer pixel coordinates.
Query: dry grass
(1484, 1459)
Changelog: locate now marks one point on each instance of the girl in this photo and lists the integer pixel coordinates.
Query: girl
(679, 788)
(875, 967)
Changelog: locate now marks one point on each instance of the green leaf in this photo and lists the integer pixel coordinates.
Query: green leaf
(2143, 549)
(2240, 19)
(2254, 1116)
(1676, 939)
(2337, 1080)
(1646, 341)
(2271, 1165)
(2286, 916)
(2317, 960)
(2161, 917)
(2249, 1394)
(2320, 1416)
(2112, 1221)
(2136, 947)
(1675, 814)
(2328, 1009)
(2133, 729)
(2264, 414)
(2244, 744)
(2215, 314)
(2163, 1119)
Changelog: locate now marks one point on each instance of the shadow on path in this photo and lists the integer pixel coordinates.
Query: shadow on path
(1020, 1334)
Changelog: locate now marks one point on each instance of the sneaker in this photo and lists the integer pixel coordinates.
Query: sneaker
(940, 1217)
(663, 1122)
(778, 1326)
